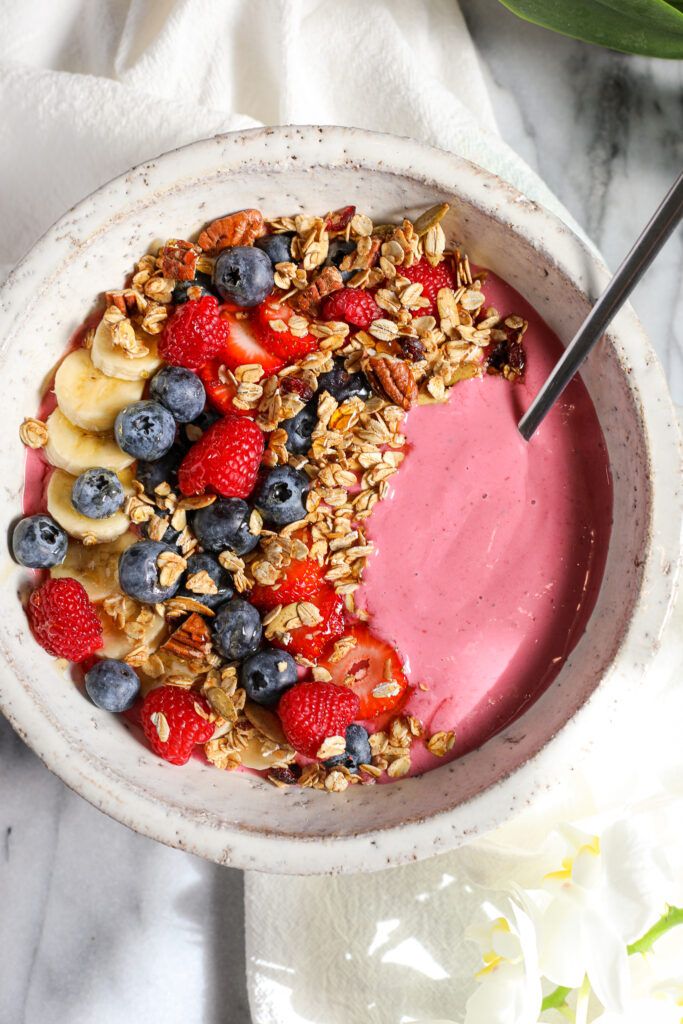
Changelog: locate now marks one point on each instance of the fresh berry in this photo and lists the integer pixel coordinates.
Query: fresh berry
(97, 493)
(245, 345)
(432, 280)
(226, 459)
(277, 247)
(112, 685)
(343, 385)
(310, 712)
(194, 333)
(314, 642)
(300, 428)
(300, 581)
(220, 389)
(357, 751)
(352, 305)
(185, 291)
(283, 344)
(374, 672)
(145, 430)
(280, 495)
(225, 524)
(266, 675)
(243, 275)
(163, 470)
(139, 572)
(38, 542)
(63, 619)
(205, 563)
(175, 721)
(237, 629)
(338, 249)
(180, 391)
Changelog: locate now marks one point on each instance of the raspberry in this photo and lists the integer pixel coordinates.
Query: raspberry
(175, 721)
(64, 620)
(432, 279)
(194, 334)
(226, 459)
(301, 581)
(353, 306)
(312, 642)
(310, 712)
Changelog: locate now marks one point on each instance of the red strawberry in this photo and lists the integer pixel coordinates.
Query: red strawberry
(283, 344)
(226, 459)
(313, 642)
(367, 666)
(64, 620)
(310, 712)
(352, 305)
(220, 392)
(194, 333)
(431, 278)
(245, 345)
(175, 721)
(301, 581)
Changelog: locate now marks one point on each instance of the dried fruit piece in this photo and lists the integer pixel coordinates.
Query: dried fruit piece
(240, 228)
(338, 220)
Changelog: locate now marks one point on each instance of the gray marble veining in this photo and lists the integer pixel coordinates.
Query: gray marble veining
(100, 924)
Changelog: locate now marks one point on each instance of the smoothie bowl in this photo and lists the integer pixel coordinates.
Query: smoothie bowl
(312, 603)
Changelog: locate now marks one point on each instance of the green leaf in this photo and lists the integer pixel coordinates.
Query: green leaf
(650, 27)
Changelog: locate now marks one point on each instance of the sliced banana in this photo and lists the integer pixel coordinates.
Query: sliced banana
(96, 567)
(114, 362)
(88, 397)
(117, 645)
(252, 756)
(73, 449)
(60, 508)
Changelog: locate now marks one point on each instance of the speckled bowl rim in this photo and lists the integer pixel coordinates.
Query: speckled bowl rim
(419, 837)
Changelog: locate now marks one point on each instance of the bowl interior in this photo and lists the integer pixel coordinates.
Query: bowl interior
(235, 817)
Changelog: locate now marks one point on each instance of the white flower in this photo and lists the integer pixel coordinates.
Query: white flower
(510, 986)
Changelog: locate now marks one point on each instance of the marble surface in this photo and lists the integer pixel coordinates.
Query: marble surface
(82, 897)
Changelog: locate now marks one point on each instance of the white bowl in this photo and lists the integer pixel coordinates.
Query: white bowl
(240, 820)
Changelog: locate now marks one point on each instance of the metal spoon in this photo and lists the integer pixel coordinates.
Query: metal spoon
(660, 227)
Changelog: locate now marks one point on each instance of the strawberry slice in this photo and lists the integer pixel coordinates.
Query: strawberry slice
(220, 393)
(301, 581)
(373, 670)
(282, 343)
(313, 642)
(244, 345)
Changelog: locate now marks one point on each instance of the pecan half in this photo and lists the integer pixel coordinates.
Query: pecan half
(191, 641)
(179, 259)
(392, 379)
(308, 301)
(240, 228)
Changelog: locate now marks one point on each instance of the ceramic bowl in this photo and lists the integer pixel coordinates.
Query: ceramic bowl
(237, 819)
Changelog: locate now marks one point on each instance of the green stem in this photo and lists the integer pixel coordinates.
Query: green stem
(557, 999)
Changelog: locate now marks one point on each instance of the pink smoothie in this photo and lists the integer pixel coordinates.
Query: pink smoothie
(490, 551)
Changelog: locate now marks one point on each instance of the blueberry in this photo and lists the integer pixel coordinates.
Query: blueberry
(145, 430)
(202, 562)
(357, 750)
(112, 685)
(38, 542)
(139, 572)
(278, 247)
(201, 286)
(163, 470)
(300, 427)
(243, 275)
(181, 391)
(97, 493)
(237, 629)
(225, 524)
(266, 675)
(342, 385)
(339, 248)
(280, 495)
(206, 419)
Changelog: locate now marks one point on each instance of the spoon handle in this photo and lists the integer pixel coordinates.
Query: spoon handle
(644, 251)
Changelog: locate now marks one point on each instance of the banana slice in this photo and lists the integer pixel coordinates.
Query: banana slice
(114, 362)
(88, 397)
(117, 645)
(73, 449)
(96, 567)
(60, 508)
(252, 755)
